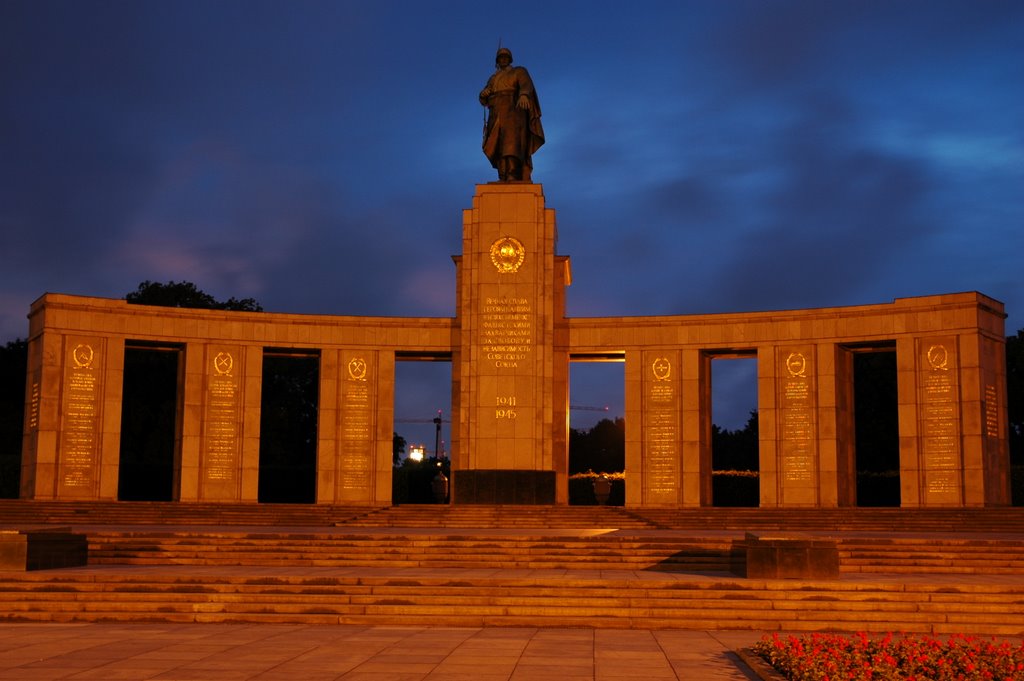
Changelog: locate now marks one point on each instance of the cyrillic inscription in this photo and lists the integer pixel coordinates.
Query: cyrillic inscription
(220, 462)
(506, 327)
(80, 438)
(940, 421)
(797, 415)
(991, 411)
(662, 430)
(356, 427)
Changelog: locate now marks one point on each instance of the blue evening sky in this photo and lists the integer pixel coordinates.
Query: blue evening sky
(702, 155)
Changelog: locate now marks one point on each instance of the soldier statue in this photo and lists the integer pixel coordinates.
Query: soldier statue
(512, 131)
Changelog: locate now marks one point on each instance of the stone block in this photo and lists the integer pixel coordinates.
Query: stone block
(41, 549)
(522, 487)
(790, 557)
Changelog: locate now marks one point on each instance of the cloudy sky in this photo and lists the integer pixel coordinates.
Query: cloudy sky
(702, 156)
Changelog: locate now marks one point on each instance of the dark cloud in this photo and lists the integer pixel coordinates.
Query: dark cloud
(702, 157)
(832, 227)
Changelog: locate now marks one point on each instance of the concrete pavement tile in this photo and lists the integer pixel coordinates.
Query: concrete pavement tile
(556, 661)
(43, 674)
(381, 676)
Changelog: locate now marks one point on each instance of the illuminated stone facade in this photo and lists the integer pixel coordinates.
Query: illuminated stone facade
(510, 345)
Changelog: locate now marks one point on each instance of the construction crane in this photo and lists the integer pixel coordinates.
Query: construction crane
(437, 421)
(581, 407)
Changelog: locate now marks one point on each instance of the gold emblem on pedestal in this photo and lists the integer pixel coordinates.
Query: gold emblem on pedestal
(662, 369)
(357, 369)
(796, 364)
(507, 254)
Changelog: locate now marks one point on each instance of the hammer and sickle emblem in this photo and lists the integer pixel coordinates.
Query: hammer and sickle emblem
(662, 369)
(222, 363)
(357, 369)
(796, 364)
(938, 357)
(82, 356)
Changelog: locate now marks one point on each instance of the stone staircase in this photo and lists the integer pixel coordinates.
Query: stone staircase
(581, 599)
(533, 551)
(936, 572)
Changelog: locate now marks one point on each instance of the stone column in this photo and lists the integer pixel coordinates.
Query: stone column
(661, 377)
(223, 423)
(80, 466)
(696, 427)
(633, 386)
(511, 420)
(191, 393)
(982, 391)
(354, 416)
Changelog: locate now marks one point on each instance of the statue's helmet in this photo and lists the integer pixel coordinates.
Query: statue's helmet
(503, 52)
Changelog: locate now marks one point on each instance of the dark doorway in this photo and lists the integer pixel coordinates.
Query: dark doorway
(876, 429)
(597, 430)
(421, 471)
(735, 451)
(288, 427)
(150, 424)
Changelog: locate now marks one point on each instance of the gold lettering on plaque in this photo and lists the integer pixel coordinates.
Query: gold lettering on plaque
(504, 407)
(991, 411)
(939, 409)
(33, 412)
(662, 369)
(507, 254)
(81, 419)
(506, 327)
(82, 356)
(797, 421)
(223, 363)
(796, 364)
(661, 434)
(357, 369)
(356, 431)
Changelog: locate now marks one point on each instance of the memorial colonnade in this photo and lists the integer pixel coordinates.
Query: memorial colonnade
(950, 375)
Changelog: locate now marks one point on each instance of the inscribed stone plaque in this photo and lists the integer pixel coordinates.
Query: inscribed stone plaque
(939, 409)
(661, 430)
(80, 410)
(991, 411)
(797, 421)
(222, 423)
(504, 339)
(358, 370)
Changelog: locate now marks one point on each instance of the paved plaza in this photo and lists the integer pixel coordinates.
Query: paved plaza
(265, 652)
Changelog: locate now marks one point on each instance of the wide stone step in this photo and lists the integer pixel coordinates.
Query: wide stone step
(548, 602)
(924, 555)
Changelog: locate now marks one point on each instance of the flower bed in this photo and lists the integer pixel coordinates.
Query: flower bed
(834, 657)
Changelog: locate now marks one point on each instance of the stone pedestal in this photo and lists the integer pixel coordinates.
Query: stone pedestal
(510, 362)
(41, 549)
(791, 557)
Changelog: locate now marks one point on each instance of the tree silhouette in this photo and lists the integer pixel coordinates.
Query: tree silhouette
(186, 294)
(602, 449)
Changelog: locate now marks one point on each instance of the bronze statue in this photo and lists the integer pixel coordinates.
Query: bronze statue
(512, 131)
